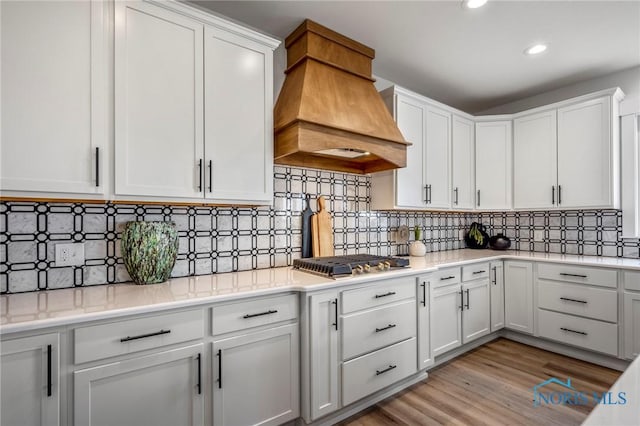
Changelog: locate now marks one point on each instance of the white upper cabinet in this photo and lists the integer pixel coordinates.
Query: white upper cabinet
(158, 103)
(493, 165)
(238, 119)
(535, 162)
(52, 124)
(630, 130)
(463, 164)
(437, 157)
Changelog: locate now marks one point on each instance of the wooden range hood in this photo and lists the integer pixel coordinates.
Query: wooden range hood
(329, 114)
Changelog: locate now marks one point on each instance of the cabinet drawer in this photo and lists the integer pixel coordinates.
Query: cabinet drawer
(370, 373)
(632, 280)
(446, 277)
(475, 272)
(578, 274)
(377, 328)
(123, 337)
(253, 313)
(380, 294)
(587, 333)
(578, 299)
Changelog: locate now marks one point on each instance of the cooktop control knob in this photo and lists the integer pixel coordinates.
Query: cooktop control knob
(381, 266)
(358, 269)
(367, 267)
(387, 265)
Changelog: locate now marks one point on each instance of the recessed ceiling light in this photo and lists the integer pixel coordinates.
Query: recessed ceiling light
(535, 49)
(474, 4)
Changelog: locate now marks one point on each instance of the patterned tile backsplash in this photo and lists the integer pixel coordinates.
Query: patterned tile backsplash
(224, 239)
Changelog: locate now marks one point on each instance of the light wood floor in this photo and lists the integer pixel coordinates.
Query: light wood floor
(491, 385)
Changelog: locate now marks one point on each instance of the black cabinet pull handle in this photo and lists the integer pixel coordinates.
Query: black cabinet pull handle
(200, 175)
(389, 368)
(450, 277)
(455, 191)
(391, 293)
(468, 300)
(553, 195)
(335, 305)
(495, 275)
(573, 300)
(573, 331)
(143, 336)
(426, 194)
(210, 175)
(424, 293)
(219, 355)
(478, 198)
(269, 312)
(572, 275)
(461, 301)
(97, 166)
(429, 194)
(199, 385)
(378, 330)
(479, 272)
(559, 194)
(49, 384)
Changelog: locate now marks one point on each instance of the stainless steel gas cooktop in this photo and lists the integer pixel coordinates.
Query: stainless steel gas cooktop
(345, 266)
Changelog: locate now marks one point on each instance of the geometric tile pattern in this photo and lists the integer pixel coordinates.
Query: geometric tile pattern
(225, 239)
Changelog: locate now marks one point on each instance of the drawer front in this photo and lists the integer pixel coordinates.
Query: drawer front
(446, 277)
(379, 294)
(577, 299)
(632, 280)
(475, 272)
(369, 330)
(123, 337)
(370, 373)
(587, 333)
(578, 274)
(253, 313)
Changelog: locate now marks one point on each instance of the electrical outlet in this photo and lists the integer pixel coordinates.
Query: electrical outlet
(69, 254)
(538, 235)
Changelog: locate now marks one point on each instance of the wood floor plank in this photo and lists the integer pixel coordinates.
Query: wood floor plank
(491, 385)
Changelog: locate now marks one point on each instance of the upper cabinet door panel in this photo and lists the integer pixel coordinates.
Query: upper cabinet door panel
(535, 161)
(52, 94)
(158, 102)
(463, 163)
(238, 117)
(493, 165)
(585, 154)
(410, 191)
(437, 157)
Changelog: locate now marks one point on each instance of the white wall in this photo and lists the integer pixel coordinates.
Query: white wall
(628, 80)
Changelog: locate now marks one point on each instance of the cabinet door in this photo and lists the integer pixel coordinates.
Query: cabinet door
(256, 378)
(535, 172)
(585, 173)
(158, 102)
(165, 388)
(323, 340)
(631, 325)
(30, 391)
(425, 354)
(497, 296)
(476, 316)
(53, 96)
(493, 165)
(630, 182)
(463, 141)
(437, 157)
(238, 121)
(410, 189)
(446, 319)
(518, 296)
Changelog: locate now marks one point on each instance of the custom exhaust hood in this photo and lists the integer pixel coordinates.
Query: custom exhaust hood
(329, 114)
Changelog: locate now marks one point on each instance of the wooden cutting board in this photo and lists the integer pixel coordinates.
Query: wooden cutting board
(322, 231)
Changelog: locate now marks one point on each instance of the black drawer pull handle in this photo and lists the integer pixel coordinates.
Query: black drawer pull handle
(424, 294)
(219, 355)
(572, 275)
(143, 336)
(447, 278)
(199, 385)
(573, 300)
(389, 368)
(391, 293)
(467, 305)
(378, 330)
(335, 305)
(49, 385)
(573, 331)
(478, 272)
(269, 312)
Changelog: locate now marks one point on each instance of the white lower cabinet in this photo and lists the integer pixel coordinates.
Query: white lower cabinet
(164, 388)
(631, 325)
(497, 296)
(476, 315)
(446, 318)
(256, 378)
(425, 349)
(518, 296)
(30, 386)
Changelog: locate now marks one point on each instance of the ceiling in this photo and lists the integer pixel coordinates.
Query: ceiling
(470, 59)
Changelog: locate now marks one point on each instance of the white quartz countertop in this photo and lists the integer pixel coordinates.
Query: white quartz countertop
(37, 310)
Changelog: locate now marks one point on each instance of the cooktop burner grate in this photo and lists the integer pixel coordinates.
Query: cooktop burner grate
(337, 266)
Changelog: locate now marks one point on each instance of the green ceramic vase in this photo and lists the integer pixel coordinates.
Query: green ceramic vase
(149, 250)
